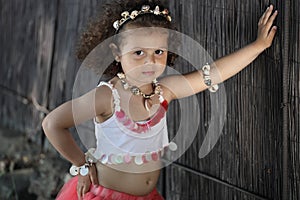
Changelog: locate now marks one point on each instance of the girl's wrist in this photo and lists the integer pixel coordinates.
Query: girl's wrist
(83, 167)
(259, 48)
(81, 170)
(81, 161)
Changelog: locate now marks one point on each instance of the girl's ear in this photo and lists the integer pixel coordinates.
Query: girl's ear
(115, 51)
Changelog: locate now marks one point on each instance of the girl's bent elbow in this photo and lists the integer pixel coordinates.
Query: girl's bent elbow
(47, 125)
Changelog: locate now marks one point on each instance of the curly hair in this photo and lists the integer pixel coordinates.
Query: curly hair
(102, 28)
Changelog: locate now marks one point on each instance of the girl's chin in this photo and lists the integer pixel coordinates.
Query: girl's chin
(143, 77)
(148, 77)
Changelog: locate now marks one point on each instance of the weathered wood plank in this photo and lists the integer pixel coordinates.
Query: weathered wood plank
(27, 47)
(294, 106)
(184, 185)
(72, 18)
(248, 154)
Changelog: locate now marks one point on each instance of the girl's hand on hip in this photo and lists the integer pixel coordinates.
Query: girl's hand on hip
(266, 30)
(84, 182)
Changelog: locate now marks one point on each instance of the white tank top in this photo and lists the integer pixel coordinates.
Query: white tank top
(120, 140)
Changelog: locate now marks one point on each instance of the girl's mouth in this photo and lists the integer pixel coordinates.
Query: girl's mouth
(148, 73)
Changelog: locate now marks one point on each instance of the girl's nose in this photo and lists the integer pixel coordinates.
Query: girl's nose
(150, 59)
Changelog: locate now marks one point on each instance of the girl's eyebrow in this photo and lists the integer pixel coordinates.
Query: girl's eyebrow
(163, 47)
(135, 48)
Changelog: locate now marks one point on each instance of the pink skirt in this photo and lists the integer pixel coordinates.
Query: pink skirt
(68, 192)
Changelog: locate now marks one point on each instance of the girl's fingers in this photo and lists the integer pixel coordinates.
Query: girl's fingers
(85, 189)
(79, 192)
(94, 177)
(83, 185)
(272, 33)
(271, 20)
(262, 17)
(267, 14)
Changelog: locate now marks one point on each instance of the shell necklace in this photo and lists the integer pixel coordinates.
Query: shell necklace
(137, 91)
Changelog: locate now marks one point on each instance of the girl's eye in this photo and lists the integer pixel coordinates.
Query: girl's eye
(159, 52)
(139, 53)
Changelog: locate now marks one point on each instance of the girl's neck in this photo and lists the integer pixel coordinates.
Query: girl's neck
(143, 86)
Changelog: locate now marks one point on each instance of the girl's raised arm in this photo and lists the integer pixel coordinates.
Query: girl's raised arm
(227, 66)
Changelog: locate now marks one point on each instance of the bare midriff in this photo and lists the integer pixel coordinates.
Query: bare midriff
(130, 178)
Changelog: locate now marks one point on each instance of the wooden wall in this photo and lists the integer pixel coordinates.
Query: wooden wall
(38, 68)
(294, 102)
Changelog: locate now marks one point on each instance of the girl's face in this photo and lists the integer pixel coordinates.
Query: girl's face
(143, 55)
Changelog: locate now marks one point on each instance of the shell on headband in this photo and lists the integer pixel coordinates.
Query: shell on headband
(126, 16)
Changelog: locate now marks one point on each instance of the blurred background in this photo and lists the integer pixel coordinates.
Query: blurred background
(258, 154)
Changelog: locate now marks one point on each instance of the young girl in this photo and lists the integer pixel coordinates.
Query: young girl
(129, 110)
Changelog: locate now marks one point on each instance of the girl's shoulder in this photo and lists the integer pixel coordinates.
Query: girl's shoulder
(104, 98)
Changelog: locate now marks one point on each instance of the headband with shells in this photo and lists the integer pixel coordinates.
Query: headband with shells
(144, 10)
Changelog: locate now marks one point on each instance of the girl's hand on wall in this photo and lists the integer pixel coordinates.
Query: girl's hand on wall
(84, 182)
(266, 30)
